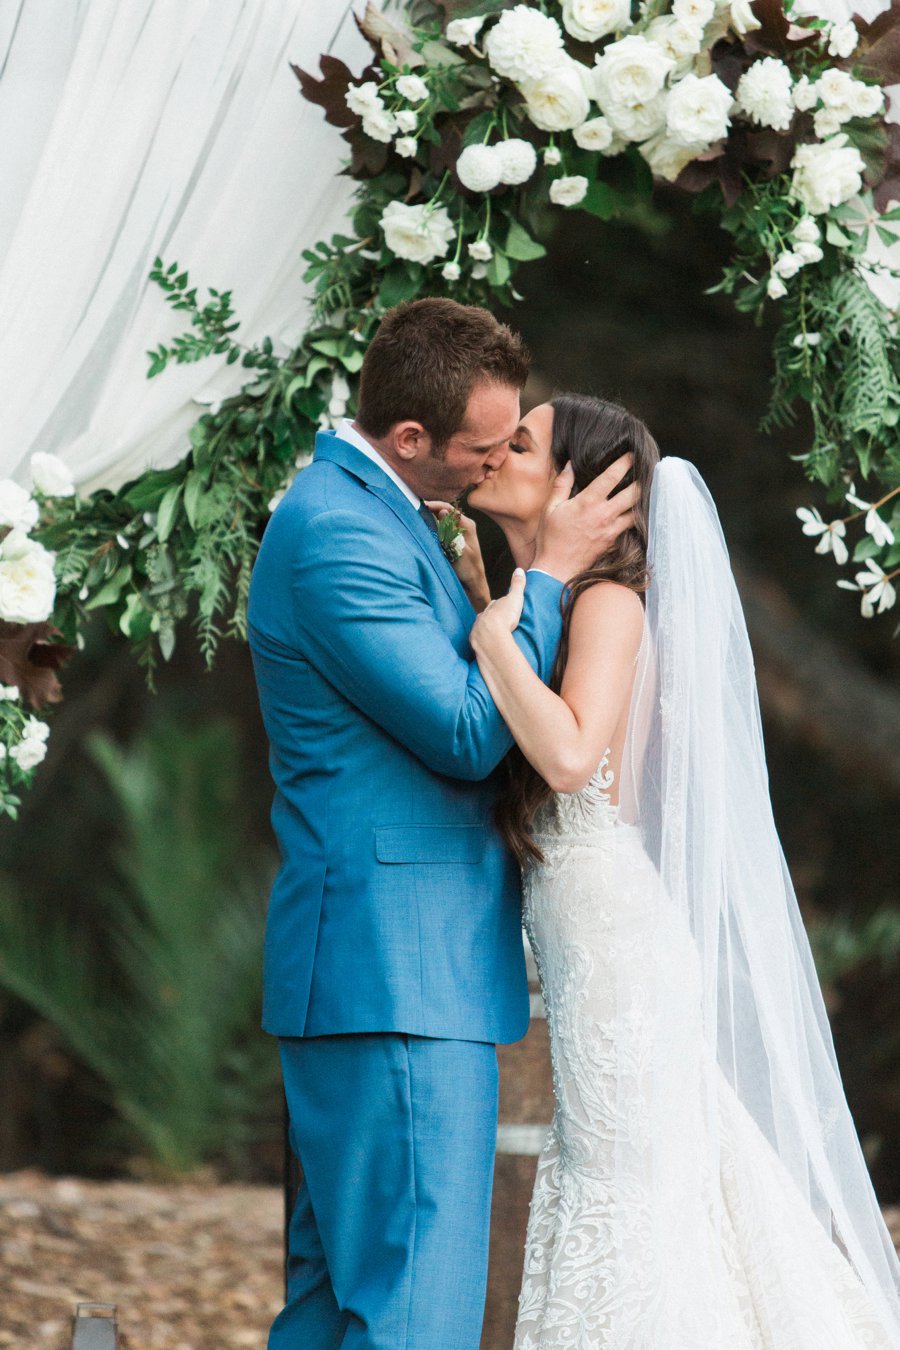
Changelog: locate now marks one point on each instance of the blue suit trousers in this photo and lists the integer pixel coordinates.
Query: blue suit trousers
(389, 1236)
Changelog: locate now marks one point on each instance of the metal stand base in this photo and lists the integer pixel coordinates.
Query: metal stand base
(94, 1327)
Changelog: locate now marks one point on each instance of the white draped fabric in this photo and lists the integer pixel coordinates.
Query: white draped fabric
(172, 127)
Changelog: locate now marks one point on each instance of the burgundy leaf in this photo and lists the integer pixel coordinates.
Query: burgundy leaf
(29, 660)
(887, 189)
(330, 92)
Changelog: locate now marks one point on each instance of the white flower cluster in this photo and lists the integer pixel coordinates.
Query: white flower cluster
(30, 744)
(383, 124)
(526, 47)
(805, 249)
(875, 585)
(484, 167)
(27, 577)
(836, 97)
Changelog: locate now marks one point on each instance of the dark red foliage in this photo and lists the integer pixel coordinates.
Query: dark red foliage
(29, 660)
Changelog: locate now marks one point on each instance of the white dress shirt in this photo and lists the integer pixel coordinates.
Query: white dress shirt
(346, 431)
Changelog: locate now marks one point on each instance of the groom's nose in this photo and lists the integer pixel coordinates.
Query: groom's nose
(497, 456)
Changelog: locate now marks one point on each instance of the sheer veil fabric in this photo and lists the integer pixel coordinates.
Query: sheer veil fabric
(694, 785)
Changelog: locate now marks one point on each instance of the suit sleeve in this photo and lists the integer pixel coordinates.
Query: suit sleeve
(365, 622)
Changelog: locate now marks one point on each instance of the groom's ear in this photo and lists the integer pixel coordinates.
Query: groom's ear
(410, 440)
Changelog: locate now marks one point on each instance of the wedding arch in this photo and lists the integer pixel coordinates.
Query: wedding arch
(468, 128)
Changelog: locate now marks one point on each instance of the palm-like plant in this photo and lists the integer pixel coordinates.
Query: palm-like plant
(172, 1029)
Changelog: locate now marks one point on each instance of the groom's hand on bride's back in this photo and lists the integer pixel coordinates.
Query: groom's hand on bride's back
(576, 531)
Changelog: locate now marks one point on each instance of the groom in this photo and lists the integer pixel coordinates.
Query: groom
(393, 958)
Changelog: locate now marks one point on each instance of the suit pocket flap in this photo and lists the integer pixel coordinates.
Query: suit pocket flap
(430, 843)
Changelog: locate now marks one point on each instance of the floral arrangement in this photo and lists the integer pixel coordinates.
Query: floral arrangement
(29, 657)
(467, 133)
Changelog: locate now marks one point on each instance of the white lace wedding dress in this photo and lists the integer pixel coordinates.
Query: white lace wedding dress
(635, 1241)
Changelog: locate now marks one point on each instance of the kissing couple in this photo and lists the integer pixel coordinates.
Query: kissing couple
(583, 753)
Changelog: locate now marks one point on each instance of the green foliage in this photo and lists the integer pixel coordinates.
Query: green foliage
(172, 1031)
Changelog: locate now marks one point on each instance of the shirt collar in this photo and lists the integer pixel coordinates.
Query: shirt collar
(346, 431)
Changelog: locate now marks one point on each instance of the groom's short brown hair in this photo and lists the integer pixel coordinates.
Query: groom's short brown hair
(426, 358)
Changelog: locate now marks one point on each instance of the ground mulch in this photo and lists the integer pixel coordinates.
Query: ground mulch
(191, 1267)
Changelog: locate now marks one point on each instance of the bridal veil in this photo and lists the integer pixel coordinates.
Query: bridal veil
(694, 781)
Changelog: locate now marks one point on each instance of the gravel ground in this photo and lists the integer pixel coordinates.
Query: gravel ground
(191, 1267)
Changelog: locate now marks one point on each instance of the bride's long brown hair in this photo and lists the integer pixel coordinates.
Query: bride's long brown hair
(591, 432)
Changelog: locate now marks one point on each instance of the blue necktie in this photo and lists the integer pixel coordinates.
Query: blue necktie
(428, 516)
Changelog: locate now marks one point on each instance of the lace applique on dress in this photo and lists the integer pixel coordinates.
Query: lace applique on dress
(579, 813)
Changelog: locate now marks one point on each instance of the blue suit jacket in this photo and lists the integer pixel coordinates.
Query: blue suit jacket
(397, 906)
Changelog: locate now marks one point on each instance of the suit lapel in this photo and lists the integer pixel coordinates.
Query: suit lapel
(354, 462)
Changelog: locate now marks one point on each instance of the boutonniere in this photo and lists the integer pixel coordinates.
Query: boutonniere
(451, 535)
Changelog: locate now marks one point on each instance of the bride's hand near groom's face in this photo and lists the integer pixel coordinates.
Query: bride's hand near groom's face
(575, 531)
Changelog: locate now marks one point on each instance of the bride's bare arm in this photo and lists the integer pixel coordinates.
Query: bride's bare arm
(564, 735)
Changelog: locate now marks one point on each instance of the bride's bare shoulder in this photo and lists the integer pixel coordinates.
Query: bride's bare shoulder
(608, 604)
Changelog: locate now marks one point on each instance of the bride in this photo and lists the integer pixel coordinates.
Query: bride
(702, 1186)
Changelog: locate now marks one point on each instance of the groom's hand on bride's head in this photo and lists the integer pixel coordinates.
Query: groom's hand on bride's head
(576, 531)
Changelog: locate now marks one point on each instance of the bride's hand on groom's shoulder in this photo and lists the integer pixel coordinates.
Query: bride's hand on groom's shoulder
(576, 531)
(469, 566)
(501, 617)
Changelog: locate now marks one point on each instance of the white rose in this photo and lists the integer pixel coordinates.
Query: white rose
(810, 253)
(826, 122)
(8, 692)
(667, 158)
(805, 96)
(451, 271)
(776, 288)
(836, 89)
(843, 40)
(27, 580)
(51, 476)
(787, 264)
(697, 110)
(552, 155)
(363, 98)
(340, 393)
(557, 101)
(806, 231)
(743, 20)
(523, 44)
(380, 124)
(695, 13)
(35, 729)
(463, 32)
(406, 120)
(18, 509)
(417, 233)
(518, 161)
(867, 100)
(641, 122)
(589, 20)
(569, 191)
(630, 74)
(826, 174)
(764, 93)
(412, 87)
(28, 753)
(406, 146)
(479, 167)
(458, 546)
(678, 40)
(481, 250)
(597, 134)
